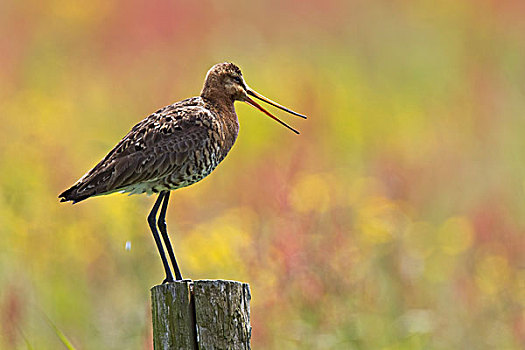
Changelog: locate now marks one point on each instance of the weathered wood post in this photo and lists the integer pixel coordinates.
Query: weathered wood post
(206, 314)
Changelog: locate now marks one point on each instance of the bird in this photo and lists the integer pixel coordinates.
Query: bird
(174, 147)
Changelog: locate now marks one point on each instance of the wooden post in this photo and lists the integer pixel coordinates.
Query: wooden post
(206, 314)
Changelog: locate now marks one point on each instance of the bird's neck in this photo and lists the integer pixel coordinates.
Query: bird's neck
(230, 122)
(219, 99)
(214, 94)
(231, 125)
(224, 109)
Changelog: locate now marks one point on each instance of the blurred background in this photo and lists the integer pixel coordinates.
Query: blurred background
(396, 219)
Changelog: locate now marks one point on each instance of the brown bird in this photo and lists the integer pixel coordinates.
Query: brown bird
(174, 147)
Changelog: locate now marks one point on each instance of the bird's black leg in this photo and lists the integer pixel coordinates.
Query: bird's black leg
(151, 220)
(164, 233)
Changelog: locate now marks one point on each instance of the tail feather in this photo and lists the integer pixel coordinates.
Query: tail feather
(94, 183)
(72, 194)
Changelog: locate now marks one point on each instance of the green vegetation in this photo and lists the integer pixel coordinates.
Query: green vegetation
(394, 221)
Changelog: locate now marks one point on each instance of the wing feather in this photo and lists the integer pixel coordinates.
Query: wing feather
(154, 148)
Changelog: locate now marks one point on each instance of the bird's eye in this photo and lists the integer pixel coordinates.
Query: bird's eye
(238, 80)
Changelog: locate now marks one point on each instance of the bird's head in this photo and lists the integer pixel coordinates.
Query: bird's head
(224, 82)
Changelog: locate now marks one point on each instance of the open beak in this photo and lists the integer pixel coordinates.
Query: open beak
(275, 104)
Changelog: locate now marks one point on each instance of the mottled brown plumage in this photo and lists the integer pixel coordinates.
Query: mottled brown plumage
(174, 147)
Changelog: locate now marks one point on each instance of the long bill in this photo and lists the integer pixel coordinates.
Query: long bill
(275, 104)
(259, 107)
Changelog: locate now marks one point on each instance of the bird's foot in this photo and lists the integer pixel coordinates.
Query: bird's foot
(168, 280)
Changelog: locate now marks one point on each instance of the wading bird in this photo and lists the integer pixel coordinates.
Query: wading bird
(174, 147)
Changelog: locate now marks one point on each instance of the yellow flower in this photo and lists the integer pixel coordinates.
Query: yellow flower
(310, 193)
(492, 273)
(455, 235)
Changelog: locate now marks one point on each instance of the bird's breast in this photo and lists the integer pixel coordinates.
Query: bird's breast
(201, 161)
